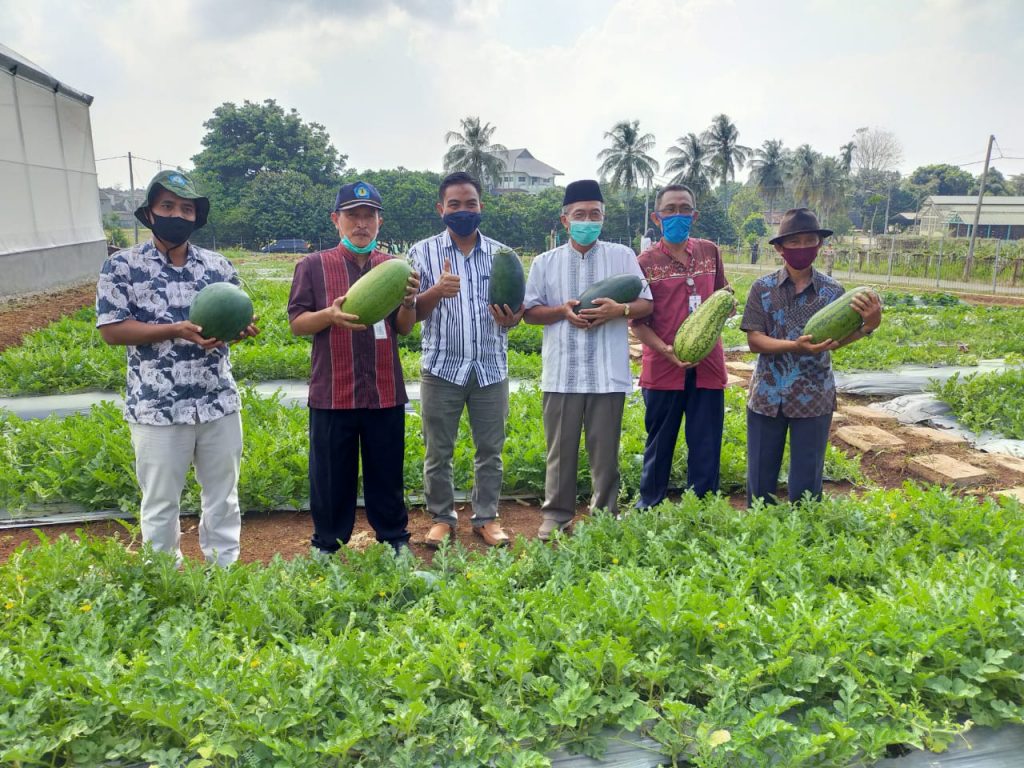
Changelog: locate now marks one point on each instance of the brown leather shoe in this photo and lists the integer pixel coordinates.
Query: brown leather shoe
(438, 534)
(492, 533)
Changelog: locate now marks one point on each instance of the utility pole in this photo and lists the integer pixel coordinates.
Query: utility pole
(131, 182)
(888, 198)
(977, 210)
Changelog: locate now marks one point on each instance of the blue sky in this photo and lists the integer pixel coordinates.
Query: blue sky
(388, 78)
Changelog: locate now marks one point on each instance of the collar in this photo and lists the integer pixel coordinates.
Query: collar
(783, 275)
(593, 249)
(346, 254)
(150, 251)
(660, 245)
(447, 240)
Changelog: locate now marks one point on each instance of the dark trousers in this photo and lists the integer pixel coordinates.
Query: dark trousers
(704, 410)
(766, 441)
(336, 439)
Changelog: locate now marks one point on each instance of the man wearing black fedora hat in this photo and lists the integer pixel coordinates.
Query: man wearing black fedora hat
(181, 401)
(586, 374)
(793, 390)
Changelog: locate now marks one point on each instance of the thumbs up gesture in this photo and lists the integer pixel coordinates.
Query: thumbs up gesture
(448, 284)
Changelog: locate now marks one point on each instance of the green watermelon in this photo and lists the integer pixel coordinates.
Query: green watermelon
(222, 310)
(622, 288)
(378, 293)
(507, 284)
(700, 331)
(836, 320)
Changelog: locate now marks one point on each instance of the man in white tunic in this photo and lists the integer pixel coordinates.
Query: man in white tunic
(585, 375)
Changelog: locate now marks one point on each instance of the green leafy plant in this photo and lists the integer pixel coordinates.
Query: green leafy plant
(831, 633)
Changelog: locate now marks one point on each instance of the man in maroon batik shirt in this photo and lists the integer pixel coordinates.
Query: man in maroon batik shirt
(683, 272)
(356, 390)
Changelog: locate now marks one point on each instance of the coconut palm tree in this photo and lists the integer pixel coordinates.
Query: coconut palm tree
(846, 156)
(802, 171)
(830, 183)
(691, 163)
(626, 163)
(769, 166)
(473, 151)
(729, 156)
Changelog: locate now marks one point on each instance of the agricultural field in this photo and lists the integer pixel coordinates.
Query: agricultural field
(883, 619)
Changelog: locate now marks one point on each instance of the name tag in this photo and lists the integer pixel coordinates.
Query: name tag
(694, 302)
(380, 330)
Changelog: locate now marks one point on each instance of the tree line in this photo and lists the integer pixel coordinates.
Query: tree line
(270, 174)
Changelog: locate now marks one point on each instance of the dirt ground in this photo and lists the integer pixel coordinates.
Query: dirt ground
(287, 533)
(20, 316)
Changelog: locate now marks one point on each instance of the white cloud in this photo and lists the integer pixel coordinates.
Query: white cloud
(388, 79)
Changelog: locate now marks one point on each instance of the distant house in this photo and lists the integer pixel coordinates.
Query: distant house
(524, 173)
(122, 203)
(50, 229)
(1001, 217)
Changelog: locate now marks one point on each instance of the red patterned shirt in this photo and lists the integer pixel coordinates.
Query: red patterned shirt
(351, 369)
(673, 282)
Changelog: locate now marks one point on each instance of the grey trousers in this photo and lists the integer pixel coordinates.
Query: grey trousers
(565, 416)
(441, 406)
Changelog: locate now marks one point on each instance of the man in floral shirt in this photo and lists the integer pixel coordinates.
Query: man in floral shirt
(181, 403)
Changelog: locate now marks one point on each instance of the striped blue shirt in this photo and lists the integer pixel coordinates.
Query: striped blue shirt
(460, 335)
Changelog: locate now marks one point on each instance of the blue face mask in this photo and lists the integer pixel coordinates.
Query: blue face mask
(356, 249)
(462, 223)
(585, 232)
(676, 228)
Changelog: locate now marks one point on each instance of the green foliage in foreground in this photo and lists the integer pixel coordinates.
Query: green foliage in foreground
(989, 401)
(825, 633)
(87, 459)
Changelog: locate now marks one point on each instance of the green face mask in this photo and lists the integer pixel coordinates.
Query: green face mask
(356, 249)
(585, 232)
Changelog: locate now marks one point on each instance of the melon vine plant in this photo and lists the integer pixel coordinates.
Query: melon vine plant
(87, 459)
(833, 633)
(987, 402)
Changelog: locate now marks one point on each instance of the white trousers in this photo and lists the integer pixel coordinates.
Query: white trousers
(163, 455)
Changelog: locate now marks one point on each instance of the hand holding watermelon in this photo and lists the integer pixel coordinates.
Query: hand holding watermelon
(341, 318)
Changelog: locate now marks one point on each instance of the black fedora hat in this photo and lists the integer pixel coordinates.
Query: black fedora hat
(797, 221)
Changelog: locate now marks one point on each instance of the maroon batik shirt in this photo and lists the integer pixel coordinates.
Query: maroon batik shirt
(351, 369)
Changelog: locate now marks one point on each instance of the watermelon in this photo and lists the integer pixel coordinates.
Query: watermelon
(836, 320)
(378, 293)
(507, 284)
(222, 310)
(700, 331)
(622, 288)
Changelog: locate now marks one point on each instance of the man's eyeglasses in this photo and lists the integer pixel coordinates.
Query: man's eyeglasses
(587, 216)
(673, 210)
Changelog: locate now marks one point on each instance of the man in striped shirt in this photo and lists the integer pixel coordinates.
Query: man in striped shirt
(464, 360)
(585, 375)
(356, 391)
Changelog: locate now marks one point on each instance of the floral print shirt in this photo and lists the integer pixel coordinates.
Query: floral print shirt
(174, 381)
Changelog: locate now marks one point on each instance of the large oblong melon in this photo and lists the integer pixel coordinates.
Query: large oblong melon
(378, 293)
(702, 328)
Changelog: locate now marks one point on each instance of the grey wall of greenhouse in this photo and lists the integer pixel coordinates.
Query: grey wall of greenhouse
(46, 269)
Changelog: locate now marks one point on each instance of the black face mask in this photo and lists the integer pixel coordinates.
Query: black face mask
(173, 230)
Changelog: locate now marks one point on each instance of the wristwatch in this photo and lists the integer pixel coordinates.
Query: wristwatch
(625, 311)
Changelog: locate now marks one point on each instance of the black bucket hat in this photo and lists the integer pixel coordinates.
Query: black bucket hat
(177, 183)
(797, 221)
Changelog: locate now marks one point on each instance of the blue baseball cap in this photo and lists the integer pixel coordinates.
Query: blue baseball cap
(356, 194)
